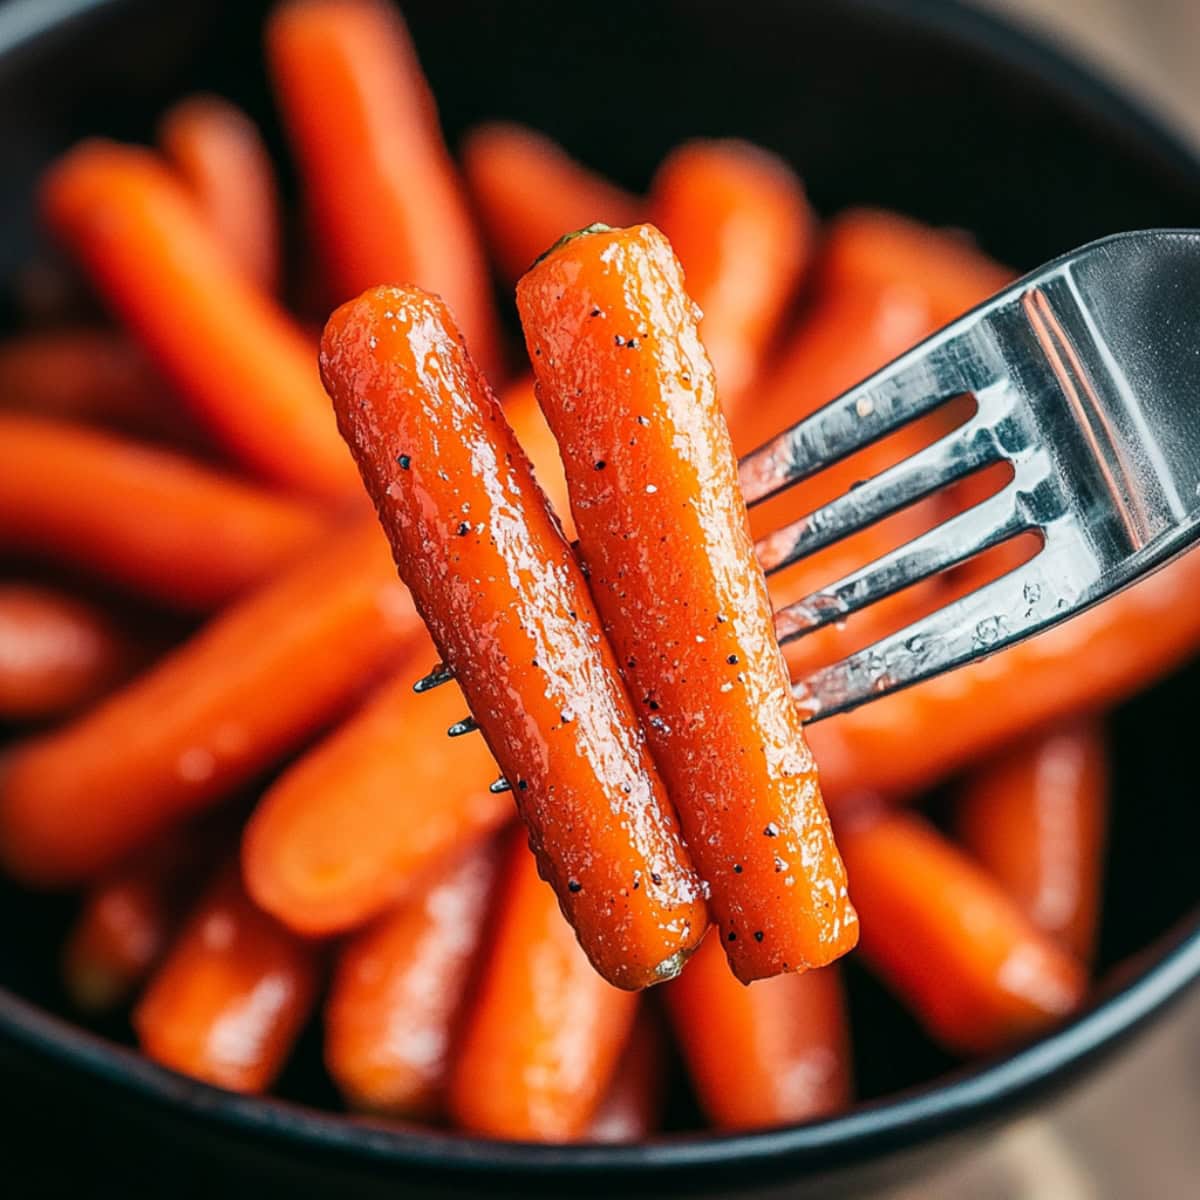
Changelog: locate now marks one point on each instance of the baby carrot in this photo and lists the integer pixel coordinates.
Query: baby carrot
(354, 824)
(233, 699)
(386, 200)
(950, 942)
(236, 357)
(773, 1053)
(56, 653)
(220, 155)
(1034, 817)
(629, 393)
(398, 991)
(528, 192)
(544, 1032)
(146, 519)
(232, 995)
(510, 613)
(632, 1107)
(741, 225)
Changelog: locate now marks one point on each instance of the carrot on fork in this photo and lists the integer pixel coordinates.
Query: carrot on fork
(508, 607)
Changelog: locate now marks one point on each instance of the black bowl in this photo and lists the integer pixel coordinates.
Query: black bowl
(925, 107)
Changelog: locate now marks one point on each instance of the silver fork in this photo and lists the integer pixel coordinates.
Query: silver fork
(1087, 378)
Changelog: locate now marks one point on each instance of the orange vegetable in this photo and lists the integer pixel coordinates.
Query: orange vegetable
(509, 610)
(1035, 818)
(544, 1033)
(220, 156)
(632, 1107)
(232, 700)
(955, 947)
(398, 991)
(232, 995)
(528, 192)
(358, 820)
(56, 652)
(386, 200)
(236, 357)
(149, 520)
(741, 225)
(773, 1053)
(629, 393)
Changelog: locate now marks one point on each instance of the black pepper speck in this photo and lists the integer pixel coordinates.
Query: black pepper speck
(404, 461)
(573, 885)
(463, 529)
(732, 659)
(758, 935)
(771, 830)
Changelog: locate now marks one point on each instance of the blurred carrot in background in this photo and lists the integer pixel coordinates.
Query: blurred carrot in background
(632, 1107)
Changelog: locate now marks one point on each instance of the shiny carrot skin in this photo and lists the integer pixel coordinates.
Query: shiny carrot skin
(56, 653)
(1035, 818)
(510, 613)
(353, 826)
(632, 1107)
(232, 995)
(544, 1033)
(773, 1053)
(232, 700)
(398, 990)
(387, 204)
(629, 393)
(741, 225)
(950, 942)
(244, 368)
(151, 521)
(528, 192)
(219, 153)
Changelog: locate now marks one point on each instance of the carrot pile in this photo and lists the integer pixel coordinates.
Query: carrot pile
(564, 580)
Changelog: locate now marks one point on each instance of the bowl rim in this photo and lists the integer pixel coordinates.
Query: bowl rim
(903, 1120)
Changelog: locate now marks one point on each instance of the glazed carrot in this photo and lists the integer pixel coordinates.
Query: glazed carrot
(387, 203)
(398, 991)
(149, 520)
(510, 613)
(351, 827)
(1035, 818)
(544, 1032)
(629, 393)
(741, 225)
(632, 1107)
(234, 356)
(229, 702)
(950, 942)
(528, 192)
(56, 652)
(773, 1053)
(220, 156)
(232, 995)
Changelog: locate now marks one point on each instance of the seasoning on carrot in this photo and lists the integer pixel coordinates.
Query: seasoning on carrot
(232, 353)
(772, 1053)
(1035, 818)
(386, 200)
(232, 700)
(950, 942)
(232, 995)
(510, 612)
(398, 991)
(528, 192)
(629, 393)
(544, 1033)
(632, 1107)
(146, 519)
(220, 156)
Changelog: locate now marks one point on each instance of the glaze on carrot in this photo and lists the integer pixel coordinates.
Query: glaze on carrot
(510, 613)
(629, 393)
(528, 192)
(250, 686)
(1035, 818)
(631, 1110)
(398, 991)
(544, 1033)
(235, 356)
(219, 153)
(231, 997)
(978, 974)
(386, 201)
(151, 521)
